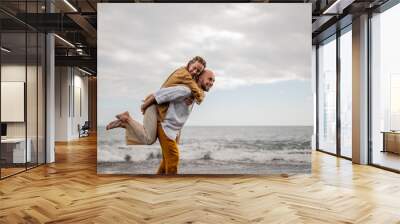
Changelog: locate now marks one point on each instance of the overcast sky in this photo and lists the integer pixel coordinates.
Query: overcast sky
(261, 54)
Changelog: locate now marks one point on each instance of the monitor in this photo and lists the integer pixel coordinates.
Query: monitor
(3, 129)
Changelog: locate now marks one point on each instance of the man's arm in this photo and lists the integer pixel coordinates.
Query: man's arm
(167, 94)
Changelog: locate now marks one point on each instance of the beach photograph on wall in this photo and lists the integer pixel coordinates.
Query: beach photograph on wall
(220, 88)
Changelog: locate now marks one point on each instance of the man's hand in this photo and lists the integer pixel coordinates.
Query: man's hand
(189, 101)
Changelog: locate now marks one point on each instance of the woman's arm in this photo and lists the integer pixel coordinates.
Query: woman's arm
(182, 76)
(197, 92)
(150, 99)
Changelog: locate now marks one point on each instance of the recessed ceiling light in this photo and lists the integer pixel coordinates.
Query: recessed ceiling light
(338, 6)
(84, 71)
(70, 5)
(64, 40)
(5, 49)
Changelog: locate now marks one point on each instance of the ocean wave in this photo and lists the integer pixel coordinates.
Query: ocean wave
(251, 145)
(233, 154)
(268, 145)
(216, 144)
(199, 151)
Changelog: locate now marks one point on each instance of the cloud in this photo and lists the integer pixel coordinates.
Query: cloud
(203, 33)
(139, 45)
(244, 40)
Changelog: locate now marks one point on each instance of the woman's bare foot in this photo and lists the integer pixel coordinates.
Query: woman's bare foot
(123, 116)
(114, 124)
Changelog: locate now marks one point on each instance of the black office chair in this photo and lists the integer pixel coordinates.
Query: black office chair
(84, 130)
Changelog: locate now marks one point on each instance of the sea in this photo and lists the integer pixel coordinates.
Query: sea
(213, 150)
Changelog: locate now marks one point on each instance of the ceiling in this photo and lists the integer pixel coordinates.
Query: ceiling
(76, 22)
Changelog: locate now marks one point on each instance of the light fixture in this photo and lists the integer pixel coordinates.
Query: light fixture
(64, 40)
(79, 51)
(70, 5)
(84, 71)
(5, 50)
(337, 7)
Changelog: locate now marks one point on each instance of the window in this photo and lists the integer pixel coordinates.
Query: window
(327, 95)
(346, 92)
(385, 88)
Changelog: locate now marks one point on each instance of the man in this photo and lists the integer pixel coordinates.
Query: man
(146, 134)
(180, 104)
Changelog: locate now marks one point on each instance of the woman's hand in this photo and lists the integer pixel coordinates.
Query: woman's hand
(143, 108)
(149, 100)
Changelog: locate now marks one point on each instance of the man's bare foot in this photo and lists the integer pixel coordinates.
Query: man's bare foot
(114, 124)
(123, 116)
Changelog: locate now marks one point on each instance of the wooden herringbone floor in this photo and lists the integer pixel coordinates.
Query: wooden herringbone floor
(70, 191)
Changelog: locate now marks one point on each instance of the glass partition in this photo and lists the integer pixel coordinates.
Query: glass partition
(23, 91)
(13, 94)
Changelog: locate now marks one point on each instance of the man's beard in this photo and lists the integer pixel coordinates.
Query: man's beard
(204, 88)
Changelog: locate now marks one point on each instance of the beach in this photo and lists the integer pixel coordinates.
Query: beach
(214, 150)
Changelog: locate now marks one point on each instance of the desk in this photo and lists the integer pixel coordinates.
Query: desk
(15, 148)
(391, 141)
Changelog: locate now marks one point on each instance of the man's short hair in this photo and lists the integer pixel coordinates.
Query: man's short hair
(197, 58)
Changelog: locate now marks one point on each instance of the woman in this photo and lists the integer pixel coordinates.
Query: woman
(146, 134)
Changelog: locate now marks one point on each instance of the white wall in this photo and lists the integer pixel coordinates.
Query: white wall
(62, 81)
(80, 118)
(33, 126)
(70, 83)
(79, 112)
(12, 73)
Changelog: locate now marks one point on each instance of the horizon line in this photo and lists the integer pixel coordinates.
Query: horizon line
(290, 125)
